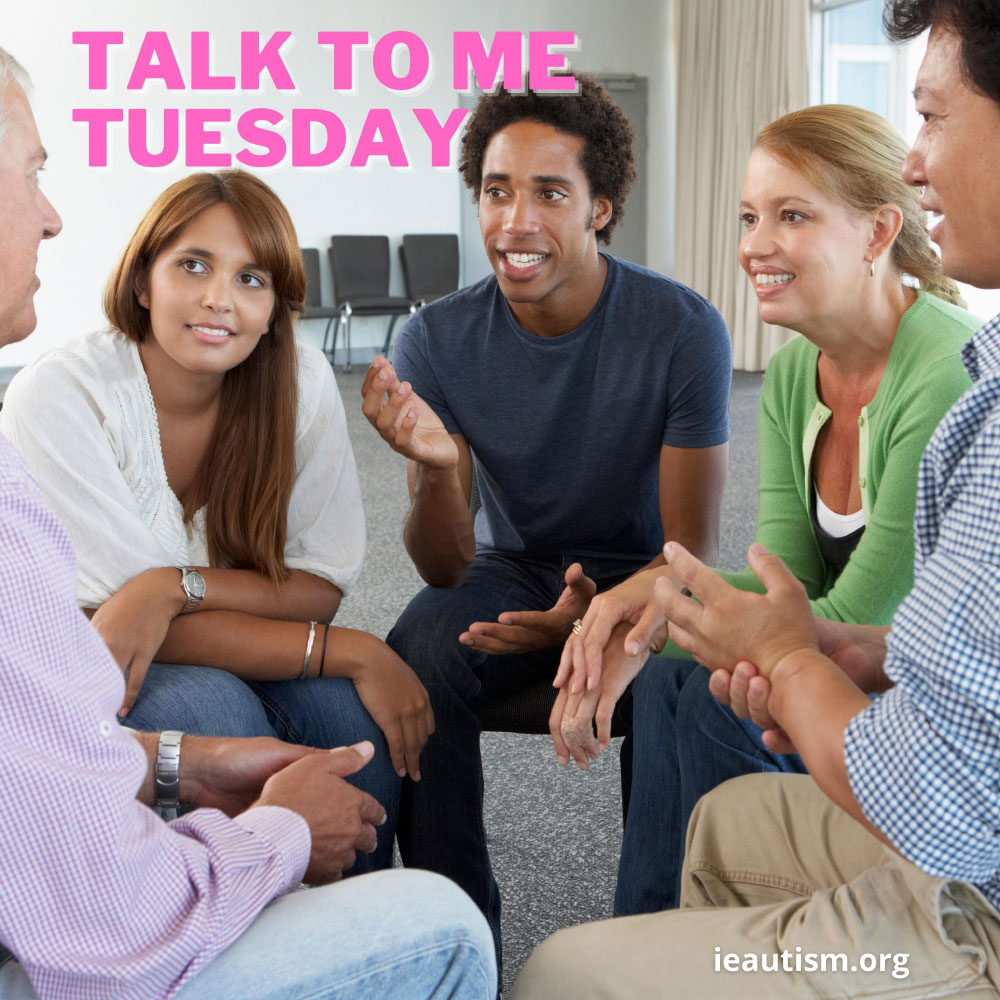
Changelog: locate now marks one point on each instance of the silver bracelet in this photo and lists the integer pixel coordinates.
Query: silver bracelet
(168, 770)
(309, 649)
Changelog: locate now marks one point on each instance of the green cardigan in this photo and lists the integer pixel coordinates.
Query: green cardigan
(923, 377)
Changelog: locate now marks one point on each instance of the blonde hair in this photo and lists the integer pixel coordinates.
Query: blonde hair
(856, 156)
(246, 476)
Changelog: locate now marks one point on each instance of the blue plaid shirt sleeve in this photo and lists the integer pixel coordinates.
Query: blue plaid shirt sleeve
(924, 760)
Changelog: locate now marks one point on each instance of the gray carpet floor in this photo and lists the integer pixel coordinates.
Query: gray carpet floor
(554, 833)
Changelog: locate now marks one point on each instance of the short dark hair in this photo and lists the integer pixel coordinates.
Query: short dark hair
(590, 114)
(976, 22)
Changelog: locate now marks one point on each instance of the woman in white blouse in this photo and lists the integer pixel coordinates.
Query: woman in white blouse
(200, 460)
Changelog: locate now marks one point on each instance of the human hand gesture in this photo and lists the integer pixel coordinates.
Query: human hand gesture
(524, 631)
(404, 421)
(720, 625)
(630, 601)
(134, 622)
(341, 818)
(573, 716)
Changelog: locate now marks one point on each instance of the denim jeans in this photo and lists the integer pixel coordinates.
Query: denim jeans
(397, 935)
(321, 712)
(441, 816)
(684, 744)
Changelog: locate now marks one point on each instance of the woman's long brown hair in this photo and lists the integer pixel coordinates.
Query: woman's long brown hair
(246, 477)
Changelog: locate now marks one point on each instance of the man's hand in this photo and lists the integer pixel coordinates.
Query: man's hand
(720, 625)
(134, 622)
(571, 722)
(524, 631)
(404, 421)
(229, 773)
(341, 818)
(859, 651)
(398, 703)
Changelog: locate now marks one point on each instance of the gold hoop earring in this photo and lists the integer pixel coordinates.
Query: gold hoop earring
(871, 268)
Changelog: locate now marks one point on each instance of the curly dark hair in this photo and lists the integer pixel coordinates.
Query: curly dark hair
(590, 114)
(976, 22)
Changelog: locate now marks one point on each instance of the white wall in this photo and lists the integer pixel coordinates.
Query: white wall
(100, 207)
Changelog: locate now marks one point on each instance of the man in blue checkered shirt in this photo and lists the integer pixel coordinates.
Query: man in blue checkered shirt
(879, 873)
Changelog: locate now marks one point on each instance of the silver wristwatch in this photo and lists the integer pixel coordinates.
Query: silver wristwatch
(194, 588)
(168, 770)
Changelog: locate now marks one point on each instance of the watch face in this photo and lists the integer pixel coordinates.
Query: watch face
(194, 583)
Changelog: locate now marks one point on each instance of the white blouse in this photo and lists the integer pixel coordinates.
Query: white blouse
(83, 417)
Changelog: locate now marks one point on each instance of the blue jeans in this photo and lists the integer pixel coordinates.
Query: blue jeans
(320, 712)
(684, 744)
(441, 816)
(397, 935)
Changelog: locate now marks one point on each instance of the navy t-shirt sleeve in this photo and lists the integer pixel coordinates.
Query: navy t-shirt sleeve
(411, 359)
(701, 371)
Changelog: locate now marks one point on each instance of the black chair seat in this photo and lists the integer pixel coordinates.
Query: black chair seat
(528, 712)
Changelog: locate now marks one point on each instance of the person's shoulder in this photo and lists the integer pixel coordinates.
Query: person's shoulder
(637, 280)
(466, 303)
(948, 326)
(90, 363)
(312, 368)
(316, 385)
(441, 326)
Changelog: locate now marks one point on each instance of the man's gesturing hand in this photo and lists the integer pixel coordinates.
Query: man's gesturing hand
(404, 421)
(524, 631)
(721, 625)
(341, 818)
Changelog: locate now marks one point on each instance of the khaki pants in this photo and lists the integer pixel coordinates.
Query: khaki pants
(783, 894)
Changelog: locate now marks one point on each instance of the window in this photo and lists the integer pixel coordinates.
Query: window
(854, 63)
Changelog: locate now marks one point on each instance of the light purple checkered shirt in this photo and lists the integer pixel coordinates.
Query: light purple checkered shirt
(98, 897)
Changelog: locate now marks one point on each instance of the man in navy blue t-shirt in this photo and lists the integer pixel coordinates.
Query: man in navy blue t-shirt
(589, 395)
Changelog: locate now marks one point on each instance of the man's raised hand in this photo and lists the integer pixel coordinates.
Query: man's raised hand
(404, 421)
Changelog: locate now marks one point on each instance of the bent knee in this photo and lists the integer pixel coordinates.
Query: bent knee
(566, 964)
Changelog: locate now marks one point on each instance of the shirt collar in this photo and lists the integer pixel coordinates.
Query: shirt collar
(982, 352)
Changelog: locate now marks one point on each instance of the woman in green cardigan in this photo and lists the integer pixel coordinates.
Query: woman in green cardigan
(830, 230)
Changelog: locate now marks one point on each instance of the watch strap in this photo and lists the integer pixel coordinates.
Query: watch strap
(168, 769)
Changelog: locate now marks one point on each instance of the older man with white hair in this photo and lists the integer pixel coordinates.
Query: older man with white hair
(99, 897)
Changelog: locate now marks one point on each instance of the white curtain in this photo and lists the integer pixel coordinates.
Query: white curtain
(740, 65)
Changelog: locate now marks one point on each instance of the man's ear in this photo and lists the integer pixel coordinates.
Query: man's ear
(600, 213)
(141, 288)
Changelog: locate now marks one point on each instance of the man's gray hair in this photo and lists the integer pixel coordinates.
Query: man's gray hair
(11, 71)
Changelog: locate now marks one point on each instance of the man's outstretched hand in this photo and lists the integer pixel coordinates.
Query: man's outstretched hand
(524, 631)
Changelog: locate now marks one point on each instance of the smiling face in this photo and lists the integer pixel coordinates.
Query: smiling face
(209, 303)
(955, 160)
(804, 251)
(539, 221)
(26, 217)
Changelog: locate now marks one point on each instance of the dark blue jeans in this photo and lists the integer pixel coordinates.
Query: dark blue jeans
(684, 744)
(441, 816)
(319, 712)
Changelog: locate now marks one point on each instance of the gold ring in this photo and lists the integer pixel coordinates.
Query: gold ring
(577, 627)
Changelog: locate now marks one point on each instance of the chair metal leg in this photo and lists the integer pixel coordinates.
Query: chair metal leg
(326, 334)
(388, 335)
(347, 369)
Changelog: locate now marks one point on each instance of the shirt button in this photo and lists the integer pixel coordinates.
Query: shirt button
(861, 421)
(861, 482)
(105, 728)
